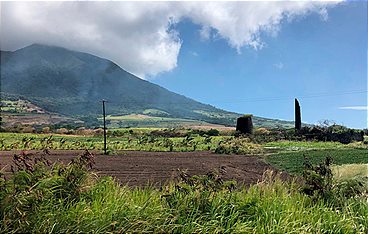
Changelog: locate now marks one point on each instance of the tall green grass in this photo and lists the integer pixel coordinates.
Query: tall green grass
(59, 199)
(350, 171)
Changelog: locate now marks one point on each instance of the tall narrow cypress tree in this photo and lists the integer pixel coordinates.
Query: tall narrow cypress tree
(298, 118)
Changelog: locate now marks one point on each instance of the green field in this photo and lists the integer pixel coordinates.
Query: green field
(285, 155)
(293, 161)
(13, 106)
(19, 106)
(289, 155)
(303, 145)
(138, 140)
(160, 139)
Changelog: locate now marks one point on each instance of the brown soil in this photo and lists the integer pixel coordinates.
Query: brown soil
(11, 119)
(139, 168)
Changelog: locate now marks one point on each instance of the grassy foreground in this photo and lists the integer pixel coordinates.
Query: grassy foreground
(40, 197)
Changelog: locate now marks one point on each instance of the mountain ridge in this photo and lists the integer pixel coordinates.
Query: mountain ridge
(73, 83)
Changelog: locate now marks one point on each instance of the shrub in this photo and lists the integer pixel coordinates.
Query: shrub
(27, 129)
(168, 133)
(319, 183)
(332, 133)
(98, 132)
(62, 131)
(46, 130)
(213, 132)
(318, 179)
(262, 131)
(238, 146)
(352, 187)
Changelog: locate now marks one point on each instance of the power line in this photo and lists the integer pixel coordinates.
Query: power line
(262, 99)
(316, 95)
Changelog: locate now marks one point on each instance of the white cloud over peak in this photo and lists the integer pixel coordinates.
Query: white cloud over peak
(141, 36)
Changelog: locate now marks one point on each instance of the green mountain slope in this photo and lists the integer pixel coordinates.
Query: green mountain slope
(73, 84)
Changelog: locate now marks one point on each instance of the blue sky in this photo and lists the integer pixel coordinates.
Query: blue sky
(245, 57)
(323, 63)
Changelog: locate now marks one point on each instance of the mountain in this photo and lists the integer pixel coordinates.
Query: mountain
(73, 84)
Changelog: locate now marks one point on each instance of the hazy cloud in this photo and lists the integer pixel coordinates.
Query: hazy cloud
(205, 33)
(141, 36)
(193, 53)
(279, 65)
(354, 107)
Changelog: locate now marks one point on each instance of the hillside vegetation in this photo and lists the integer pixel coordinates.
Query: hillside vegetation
(73, 84)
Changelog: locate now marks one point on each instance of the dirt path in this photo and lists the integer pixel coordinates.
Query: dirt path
(141, 168)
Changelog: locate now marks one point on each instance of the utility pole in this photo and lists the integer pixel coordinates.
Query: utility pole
(104, 127)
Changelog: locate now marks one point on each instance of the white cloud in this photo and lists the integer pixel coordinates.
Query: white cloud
(134, 35)
(193, 53)
(205, 33)
(139, 35)
(354, 107)
(279, 65)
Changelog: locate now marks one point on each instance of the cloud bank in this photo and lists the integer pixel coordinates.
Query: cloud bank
(141, 36)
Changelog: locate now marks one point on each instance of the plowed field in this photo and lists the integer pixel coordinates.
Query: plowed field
(138, 168)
